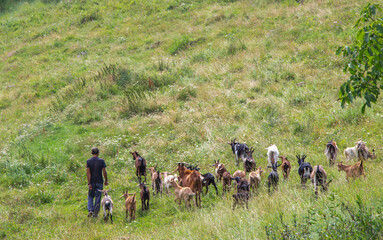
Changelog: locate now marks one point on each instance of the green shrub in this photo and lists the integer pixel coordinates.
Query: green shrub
(338, 221)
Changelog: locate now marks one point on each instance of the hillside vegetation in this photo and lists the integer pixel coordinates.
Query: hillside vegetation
(175, 80)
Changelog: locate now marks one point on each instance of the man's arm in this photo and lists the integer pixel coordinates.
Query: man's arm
(88, 175)
(105, 176)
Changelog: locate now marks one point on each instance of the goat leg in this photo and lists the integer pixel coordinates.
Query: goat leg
(215, 186)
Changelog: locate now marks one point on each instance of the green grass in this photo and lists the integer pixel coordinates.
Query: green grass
(175, 80)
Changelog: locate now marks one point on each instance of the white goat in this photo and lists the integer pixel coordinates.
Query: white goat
(272, 155)
(107, 204)
(167, 179)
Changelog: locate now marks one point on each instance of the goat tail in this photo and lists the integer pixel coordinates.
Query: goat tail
(158, 175)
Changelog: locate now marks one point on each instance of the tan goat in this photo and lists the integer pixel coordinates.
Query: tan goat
(130, 205)
(255, 179)
(183, 193)
(354, 171)
(240, 174)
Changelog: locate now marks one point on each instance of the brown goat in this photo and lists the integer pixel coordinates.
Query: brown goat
(226, 182)
(192, 179)
(219, 170)
(319, 178)
(130, 205)
(140, 164)
(354, 171)
(240, 174)
(255, 179)
(286, 167)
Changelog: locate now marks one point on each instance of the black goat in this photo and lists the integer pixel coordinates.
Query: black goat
(242, 186)
(208, 179)
(239, 150)
(304, 169)
(240, 198)
(145, 197)
(273, 178)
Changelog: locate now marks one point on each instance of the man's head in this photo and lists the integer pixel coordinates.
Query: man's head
(95, 151)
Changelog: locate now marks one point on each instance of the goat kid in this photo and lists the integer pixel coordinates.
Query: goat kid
(241, 198)
(304, 169)
(240, 174)
(107, 205)
(272, 155)
(226, 182)
(319, 178)
(156, 180)
(255, 179)
(239, 150)
(286, 167)
(354, 171)
(140, 164)
(145, 197)
(130, 205)
(208, 179)
(183, 193)
(331, 152)
(242, 185)
(273, 178)
(167, 179)
(249, 164)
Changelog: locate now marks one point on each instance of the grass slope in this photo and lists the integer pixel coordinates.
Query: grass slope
(175, 80)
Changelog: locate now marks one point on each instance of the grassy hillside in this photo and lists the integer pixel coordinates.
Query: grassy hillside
(175, 80)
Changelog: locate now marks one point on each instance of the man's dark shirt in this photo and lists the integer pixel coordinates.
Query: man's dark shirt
(96, 164)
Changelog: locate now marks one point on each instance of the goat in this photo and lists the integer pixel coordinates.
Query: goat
(255, 179)
(208, 179)
(107, 204)
(167, 179)
(130, 205)
(226, 182)
(217, 165)
(286, 167)
(319, 178)
(331, 152)
(192, 179)
(240, 174)
(183, 193)
(240, 198)
(145, 197)
(355, 170)
(304, 169)
(360, 150)
(272, 155)
(140, 164)
(242, 185)
(156, 180)
(249, 163)
(239, 150)
(273, 178)
(219, 170)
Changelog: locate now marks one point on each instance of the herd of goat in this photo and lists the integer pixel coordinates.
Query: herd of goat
(189, 183)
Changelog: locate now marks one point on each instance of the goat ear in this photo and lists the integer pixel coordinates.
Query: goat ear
(328, 183)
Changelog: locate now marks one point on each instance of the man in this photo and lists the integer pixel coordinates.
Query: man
(95, 169)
